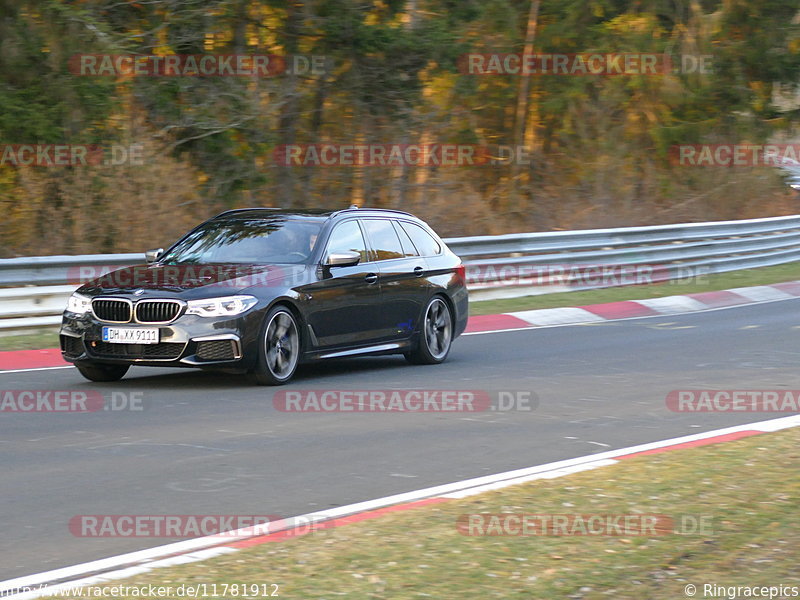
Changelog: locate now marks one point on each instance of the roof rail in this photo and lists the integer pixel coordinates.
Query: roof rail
(235, 210)
(375, 208)
(333, 212)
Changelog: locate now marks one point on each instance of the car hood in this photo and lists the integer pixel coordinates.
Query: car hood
(193, 281)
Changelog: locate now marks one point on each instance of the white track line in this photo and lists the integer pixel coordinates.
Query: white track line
(3, 372)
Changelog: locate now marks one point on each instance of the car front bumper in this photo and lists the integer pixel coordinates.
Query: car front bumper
(190, 341)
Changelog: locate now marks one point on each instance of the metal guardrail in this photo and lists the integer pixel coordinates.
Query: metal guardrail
(33, 290)
(512, 265)
(60, 270)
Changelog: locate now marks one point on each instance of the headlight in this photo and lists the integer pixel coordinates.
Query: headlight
(79, 304)
(220, 307)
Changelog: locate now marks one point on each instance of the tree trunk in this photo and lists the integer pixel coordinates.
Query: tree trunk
(523, 94)
(290, 108)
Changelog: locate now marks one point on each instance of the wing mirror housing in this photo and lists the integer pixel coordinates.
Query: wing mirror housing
(342, 259)
(152, 256)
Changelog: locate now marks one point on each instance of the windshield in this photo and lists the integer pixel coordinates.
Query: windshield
(247, 241)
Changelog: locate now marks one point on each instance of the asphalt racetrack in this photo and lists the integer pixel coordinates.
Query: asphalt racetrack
(208, 443)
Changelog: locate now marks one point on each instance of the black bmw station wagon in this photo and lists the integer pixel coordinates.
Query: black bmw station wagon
(258, 291)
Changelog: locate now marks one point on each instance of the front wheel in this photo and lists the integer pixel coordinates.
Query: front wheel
(279, 350)
(436, 335)
(98, 372)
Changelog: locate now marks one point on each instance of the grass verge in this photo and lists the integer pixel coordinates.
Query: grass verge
(748, 489)
(30, 341)
(706, 283)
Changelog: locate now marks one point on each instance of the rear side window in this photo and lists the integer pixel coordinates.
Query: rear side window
(347, 237)
(405, 241)
(426, 245)
(383, 239)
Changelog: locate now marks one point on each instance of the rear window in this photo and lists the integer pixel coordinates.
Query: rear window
(383, 238)
(425, 243)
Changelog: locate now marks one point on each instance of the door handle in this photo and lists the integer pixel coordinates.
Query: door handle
(419, 271)
(370, 278)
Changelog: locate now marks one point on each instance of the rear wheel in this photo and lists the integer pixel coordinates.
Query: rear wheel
(98, 372)
(279, 350)
(436, 335)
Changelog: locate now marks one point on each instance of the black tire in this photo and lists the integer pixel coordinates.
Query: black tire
(279, 348)
(98, 372)
(435, 335)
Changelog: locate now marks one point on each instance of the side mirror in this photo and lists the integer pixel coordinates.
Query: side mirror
(152, 256)
(342, 259)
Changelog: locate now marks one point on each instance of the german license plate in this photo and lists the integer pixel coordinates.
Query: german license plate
(129, 335)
